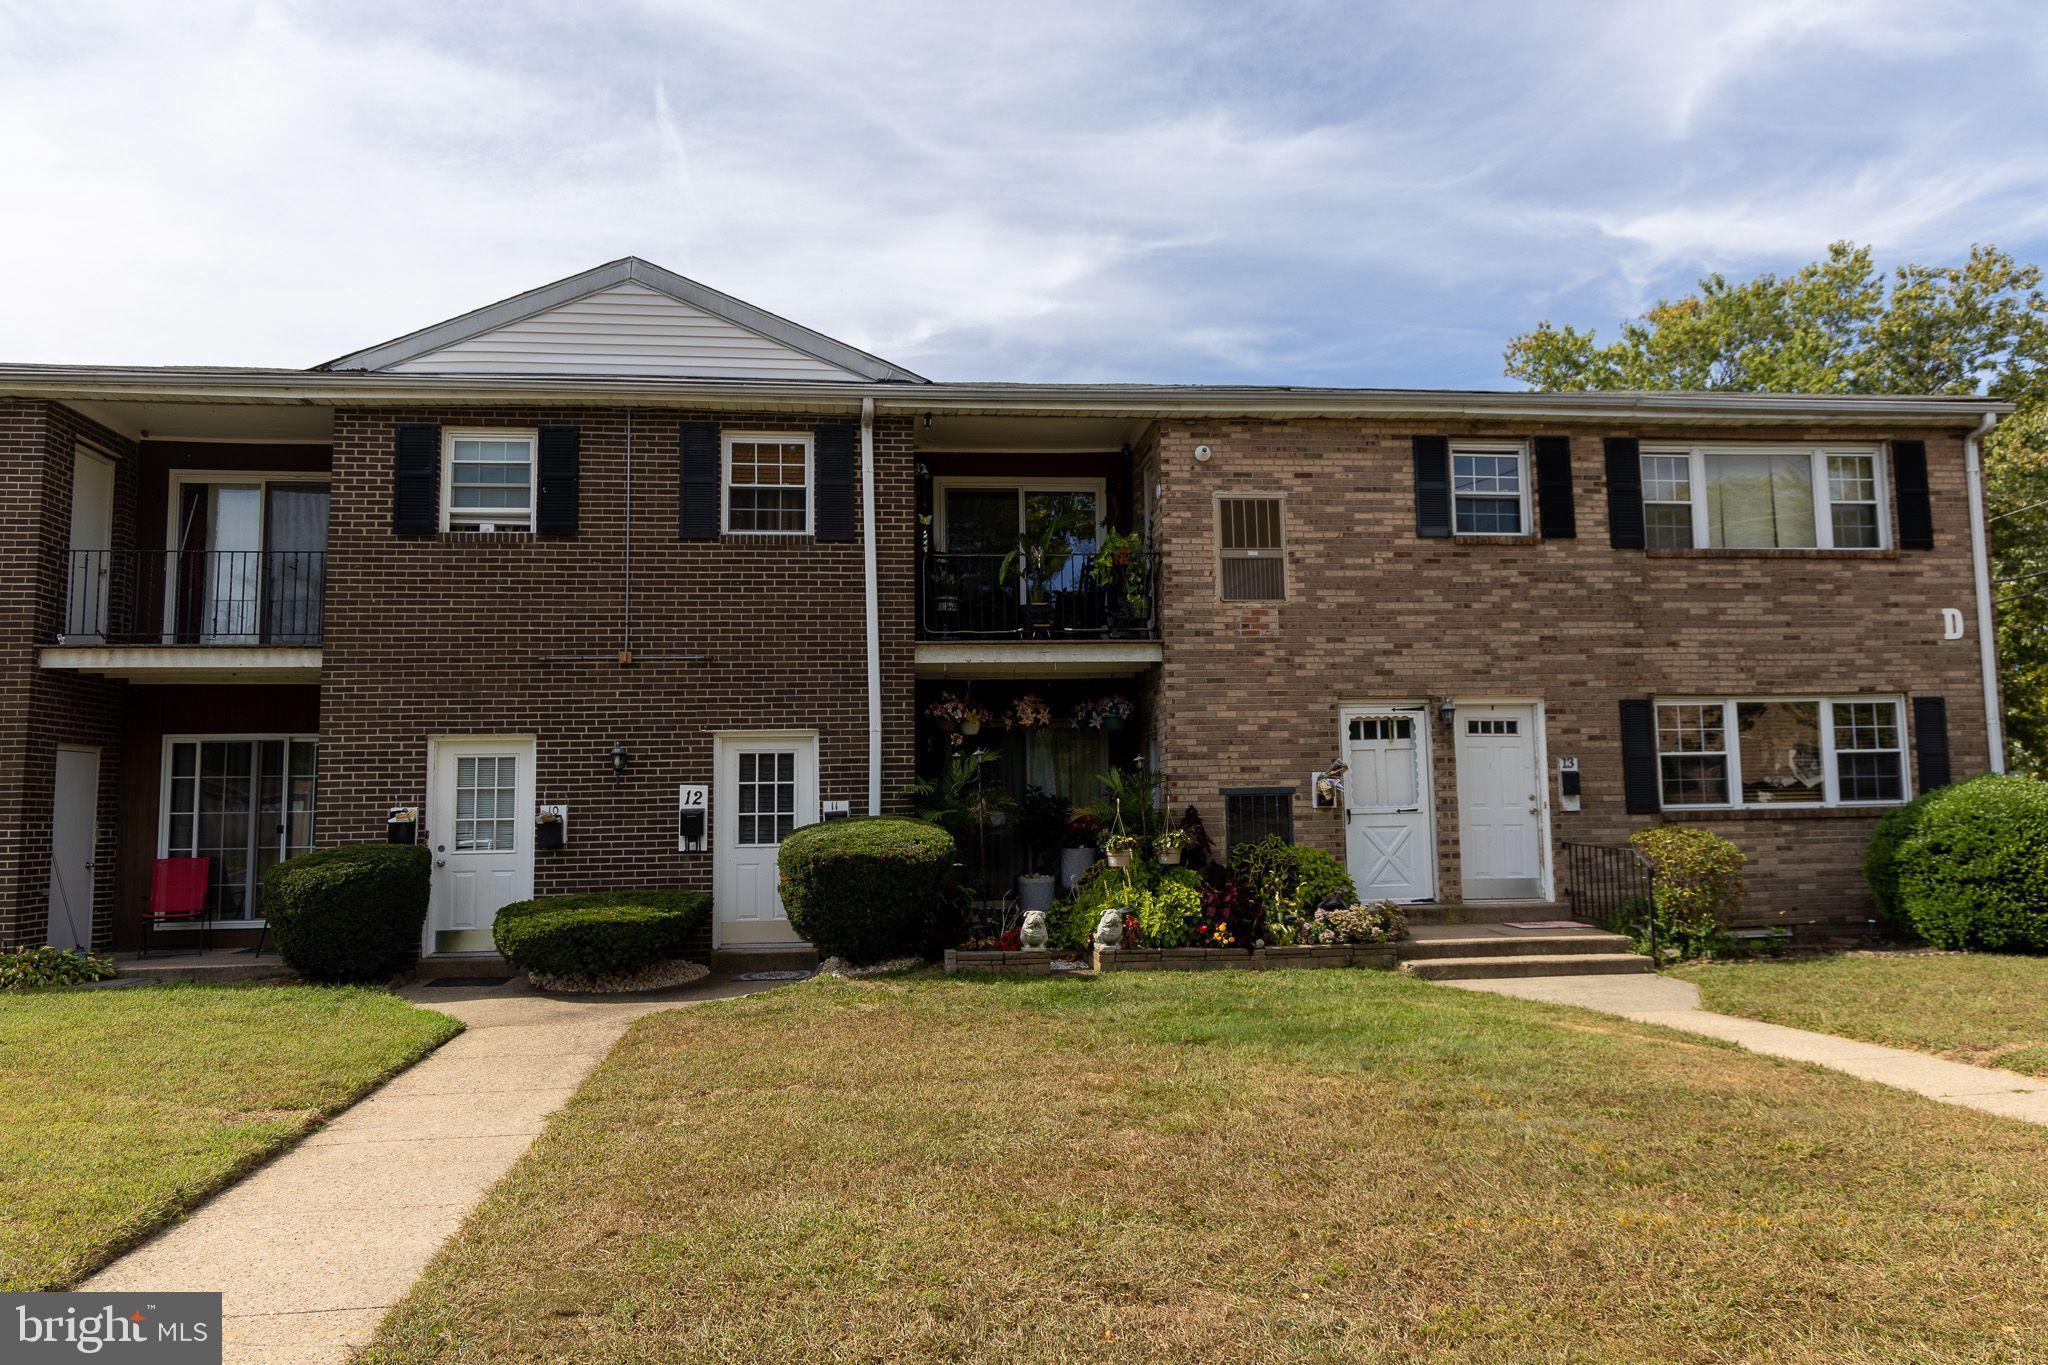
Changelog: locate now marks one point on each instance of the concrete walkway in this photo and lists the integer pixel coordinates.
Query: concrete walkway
(1676, 1004)
(312, 1249)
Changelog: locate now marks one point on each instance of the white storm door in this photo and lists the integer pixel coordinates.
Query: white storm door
(481, 826)
(1500, 803)
(1387, 843)
(74, 830)
(92, 540)
(767, 786)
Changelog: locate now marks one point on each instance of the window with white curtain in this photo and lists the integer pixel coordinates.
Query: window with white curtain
(1781, 751)
(1764, 498)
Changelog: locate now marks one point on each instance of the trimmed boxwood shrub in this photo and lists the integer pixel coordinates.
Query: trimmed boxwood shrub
(866, 890)
(600, 933)
(1974, 871)
(349, 914)
(1881, 863)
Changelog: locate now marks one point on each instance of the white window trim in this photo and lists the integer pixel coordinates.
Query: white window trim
(163, 799)
(1817, 457)
(726, 441)
(530, 435)
(1097, 488)
(1518, 449)
(1831, 794)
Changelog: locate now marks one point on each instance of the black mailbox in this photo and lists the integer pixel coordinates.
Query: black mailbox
(692, 803)
(402, 825)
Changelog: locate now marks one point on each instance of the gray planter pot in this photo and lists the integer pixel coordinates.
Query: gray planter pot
(1034, 891)
(1073, 862)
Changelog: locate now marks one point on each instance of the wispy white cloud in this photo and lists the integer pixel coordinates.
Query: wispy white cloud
(1296, 193)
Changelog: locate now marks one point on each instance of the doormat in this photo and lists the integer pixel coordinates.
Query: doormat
(1546, 924)
(772, 976)
(447, 981)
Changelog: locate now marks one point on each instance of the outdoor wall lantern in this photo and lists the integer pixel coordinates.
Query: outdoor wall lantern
(1446, 710)
(620, 758)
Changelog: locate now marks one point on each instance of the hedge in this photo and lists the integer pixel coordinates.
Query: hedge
(867, 890)
(600, 933)
(349, 914)
(1881, 863)
(1974, 871)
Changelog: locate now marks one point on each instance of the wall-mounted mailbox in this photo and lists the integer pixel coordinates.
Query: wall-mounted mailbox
(1568, 783)
(402, 825)
(693, 810)
(551, 826)
(838, 810)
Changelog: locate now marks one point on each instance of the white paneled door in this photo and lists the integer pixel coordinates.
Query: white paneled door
(767, 786)
(74, 830)
(1500, 802)
(1388, 846)
(480, 831)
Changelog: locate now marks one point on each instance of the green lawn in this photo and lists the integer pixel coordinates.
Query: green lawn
(119, 1109)
(1984, 1008)
(1233, 1166)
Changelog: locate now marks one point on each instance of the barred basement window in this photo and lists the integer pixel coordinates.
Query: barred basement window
(1251, 813)
(1252, 558)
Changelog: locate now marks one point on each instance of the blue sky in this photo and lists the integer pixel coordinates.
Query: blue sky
(1374, 194)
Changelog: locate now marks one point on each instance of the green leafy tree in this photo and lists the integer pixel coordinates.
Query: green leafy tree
(1841, 325)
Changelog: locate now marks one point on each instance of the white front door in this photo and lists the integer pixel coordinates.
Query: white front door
(74, 831)
(767, 786)
(480, 826)
(1388, 846)
(92, 537)
(1500, 802)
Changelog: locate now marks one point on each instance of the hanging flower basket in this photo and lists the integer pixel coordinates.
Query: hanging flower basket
(1029, 712)
(1103, 713)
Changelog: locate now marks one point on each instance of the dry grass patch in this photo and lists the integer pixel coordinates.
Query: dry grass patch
(1231, 1166)
(1988, 1009)
(120, 1109)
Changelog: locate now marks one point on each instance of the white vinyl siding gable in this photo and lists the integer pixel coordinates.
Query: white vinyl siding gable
(625, 329)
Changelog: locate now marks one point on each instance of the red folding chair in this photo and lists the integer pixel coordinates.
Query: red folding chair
(177, 899)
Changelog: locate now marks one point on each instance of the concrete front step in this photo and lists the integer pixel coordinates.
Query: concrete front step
(1484, 912)
(1534, 964)
(1510, 944)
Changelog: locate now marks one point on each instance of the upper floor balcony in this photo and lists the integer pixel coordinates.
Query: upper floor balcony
(192, 615)
(1081, 596)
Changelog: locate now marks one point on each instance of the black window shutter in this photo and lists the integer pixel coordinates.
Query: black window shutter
(1432, 485)
(416, 479)
(698, 514)
(1625, 495)
(1557, 515)
(834, 452)
(1639, 756)
(1930, 741)
(1909, 488)
(556, 514)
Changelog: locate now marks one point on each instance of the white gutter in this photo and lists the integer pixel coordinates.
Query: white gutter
(1987, 639)
(874, 603)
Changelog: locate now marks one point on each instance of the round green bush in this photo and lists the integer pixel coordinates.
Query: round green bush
(1974, 872)
(1881, 863)
(866, 890)
(601, 933)
(349, 914)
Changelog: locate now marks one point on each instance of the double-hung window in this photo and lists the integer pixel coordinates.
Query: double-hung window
(1796, 751)
(768, 483)
(487, 482)
(1489, 489)
(1764, 498)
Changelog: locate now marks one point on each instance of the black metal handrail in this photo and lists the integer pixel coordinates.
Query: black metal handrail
(970, 596)
(1615, 887)
(194, 597)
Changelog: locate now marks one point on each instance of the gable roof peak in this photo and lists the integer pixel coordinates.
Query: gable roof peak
(428, 341)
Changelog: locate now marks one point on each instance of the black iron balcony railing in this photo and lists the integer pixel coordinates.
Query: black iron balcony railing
(969, 597)
(194, 597)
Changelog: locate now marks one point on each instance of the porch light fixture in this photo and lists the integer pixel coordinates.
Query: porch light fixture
(619, 760)
(1446, 709)
(927, 421)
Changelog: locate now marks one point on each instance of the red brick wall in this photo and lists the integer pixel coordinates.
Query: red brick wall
(1250, 696)
(40, 709)
(461, 634)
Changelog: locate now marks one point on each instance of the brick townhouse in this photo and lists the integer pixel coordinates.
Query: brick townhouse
(683, 575)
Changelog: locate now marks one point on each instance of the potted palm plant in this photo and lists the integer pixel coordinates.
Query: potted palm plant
(1039, 558)
(1123, 573)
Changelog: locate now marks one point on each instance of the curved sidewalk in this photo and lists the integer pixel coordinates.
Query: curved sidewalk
(1664, 1000)
(310, 1250)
